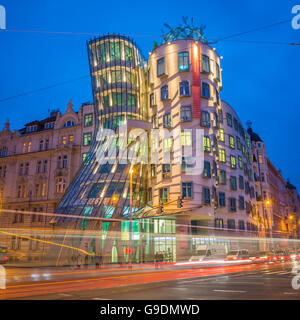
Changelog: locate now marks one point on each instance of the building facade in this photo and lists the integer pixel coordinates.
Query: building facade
(37, 164)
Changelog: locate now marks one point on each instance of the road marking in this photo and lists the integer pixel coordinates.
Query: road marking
(237, 291)
(65, 294)
(100, 299)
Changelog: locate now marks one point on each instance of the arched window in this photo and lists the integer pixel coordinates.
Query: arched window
(60, 185)
(69, 123)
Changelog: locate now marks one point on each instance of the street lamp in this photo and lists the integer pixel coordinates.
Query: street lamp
(131, 172)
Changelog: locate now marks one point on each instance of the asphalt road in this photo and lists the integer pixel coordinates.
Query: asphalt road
(267, 282)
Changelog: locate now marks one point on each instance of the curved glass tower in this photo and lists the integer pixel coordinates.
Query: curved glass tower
(101, 189)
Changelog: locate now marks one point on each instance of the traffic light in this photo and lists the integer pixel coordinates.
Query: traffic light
(179, 202)
(160, 209)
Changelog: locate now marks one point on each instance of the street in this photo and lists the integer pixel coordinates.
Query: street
(251, 281)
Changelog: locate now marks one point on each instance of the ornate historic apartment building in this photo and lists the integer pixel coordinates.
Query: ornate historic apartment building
(38, 162)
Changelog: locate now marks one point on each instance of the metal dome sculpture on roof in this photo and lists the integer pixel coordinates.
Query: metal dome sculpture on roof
(185, 31)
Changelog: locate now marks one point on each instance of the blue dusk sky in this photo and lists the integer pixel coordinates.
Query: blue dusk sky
(260, 80)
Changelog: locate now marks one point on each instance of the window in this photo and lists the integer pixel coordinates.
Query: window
(219, 223)
(153, 170)
(229, 119)
(161, 67)
(164, 93)
(232, 162)
(240, 162)
(186, 190)
(167, 120)
(218, 71)
(206, 170)
(231, 142)
(84, 156)
(151, 100)
(49, 125)
(21, 169)
(118, 99)
(60, 185)
(163, 195)
(29, 146)
(186, 164)
(205, 90)
(206, 196)
(222, 177)
(45, 165)
(241, 182)
(233, 185)
(221, 135)
(59, 162)
(241, 225)
(232, 202)
(186, 113)
(87, 139)
(206, 144)
(39, 167)
(166, 170)
(205, 64)
(183, 61)
(235, 124)
(41, 145)
(69, 123)
(260, 159)
(184, 89)
(64, 139)
(26, 171)
(238, 143)
(31, 128)
(88, 120)
(205, 119)
(65, 162)
(71, 138)
(186, 137)
(167, 145)
(46, 144)
(222, 199)
(154, 121)
(222, 155)
(217, 96)
(241, 203)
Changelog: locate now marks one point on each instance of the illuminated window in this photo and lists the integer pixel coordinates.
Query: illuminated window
(84, 156)
(240, 162)
(167, 145)
(64, 139)
(131, 100)
(87, 139)
(222, 155)
(205, 90)
(166, 170)
(71, 138)
(260, 159)
(114, 50)
(232, 162)
(183, 61)
(221, 135)
(43, 189)
(29, 146)
(186, 137)
(154, 121)
(231, 142)
(238, 143)
(88, 120)
(161, 67)
(118, 99)
(24, 147)
(205, 64)
(60, 185)
(206, 144)
(163, 195)
(219, 223)
(153, 170)
(116, 76)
